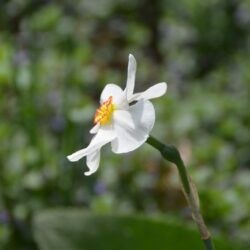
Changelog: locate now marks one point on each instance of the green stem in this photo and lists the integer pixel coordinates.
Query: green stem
(172, 154)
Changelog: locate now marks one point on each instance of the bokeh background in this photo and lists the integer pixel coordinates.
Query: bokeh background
(56, 57)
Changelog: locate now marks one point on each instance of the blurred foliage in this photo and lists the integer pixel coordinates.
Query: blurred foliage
(74, 229)
(55, 58)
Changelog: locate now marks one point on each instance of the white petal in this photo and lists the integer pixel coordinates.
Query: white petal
(131, 76)
(133, 126)
(93, 161)
(119, 96)
(155, 91)
(95, 129)
(104, 136)
(111, 90)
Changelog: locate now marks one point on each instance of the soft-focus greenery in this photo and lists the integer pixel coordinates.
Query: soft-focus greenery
(78, 230)
(55, 58)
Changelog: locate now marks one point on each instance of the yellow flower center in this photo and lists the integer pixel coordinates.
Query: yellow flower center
(103, 114)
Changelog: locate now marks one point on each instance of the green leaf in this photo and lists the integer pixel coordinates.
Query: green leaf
(77, 230)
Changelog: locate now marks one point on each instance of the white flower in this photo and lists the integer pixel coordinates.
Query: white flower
(119, 121)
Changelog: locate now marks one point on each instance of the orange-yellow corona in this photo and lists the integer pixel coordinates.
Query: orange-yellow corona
(104, 113)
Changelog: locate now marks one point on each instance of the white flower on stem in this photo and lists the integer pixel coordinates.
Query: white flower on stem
(125, 119)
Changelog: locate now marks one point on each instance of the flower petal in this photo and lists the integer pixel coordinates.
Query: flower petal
(130, 85)
(95, 129)
(133, 126)
(155, 91)
(119, 98)
(93, 161)
(103, 136)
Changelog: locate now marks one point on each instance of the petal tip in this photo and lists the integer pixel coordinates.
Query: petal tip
(95, 129)
(90, 172)
(162, 88)
(87, 173)
(75, 156)
(70, 158)
(165, 87)
(131, 58)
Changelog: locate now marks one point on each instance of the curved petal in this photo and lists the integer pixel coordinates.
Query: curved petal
(104, 136)
(93, 161)
(155, 91)
(119, 98)
(133, 126)
(130, 85)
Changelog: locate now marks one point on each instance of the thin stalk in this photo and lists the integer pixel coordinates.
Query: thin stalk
(172, 154)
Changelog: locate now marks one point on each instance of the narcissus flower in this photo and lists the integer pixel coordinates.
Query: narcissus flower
(125, 119)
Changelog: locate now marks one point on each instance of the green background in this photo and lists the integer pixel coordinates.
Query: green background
(55, 59)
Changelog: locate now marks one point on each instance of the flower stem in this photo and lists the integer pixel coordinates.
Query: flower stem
(171, 153)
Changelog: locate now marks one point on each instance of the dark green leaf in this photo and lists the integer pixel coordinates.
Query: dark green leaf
(77, 230)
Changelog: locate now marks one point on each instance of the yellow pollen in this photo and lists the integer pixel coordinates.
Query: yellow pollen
(104, 113)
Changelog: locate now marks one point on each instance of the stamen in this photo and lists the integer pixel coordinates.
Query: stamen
(104, 113)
